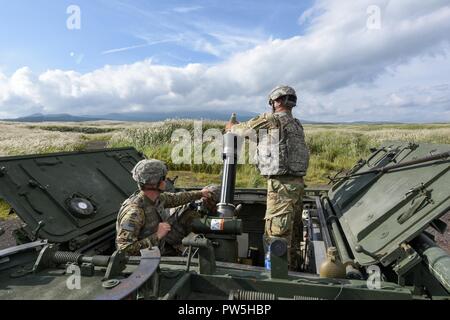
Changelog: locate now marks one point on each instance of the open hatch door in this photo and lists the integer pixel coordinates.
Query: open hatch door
(68, 196)
(381, 210)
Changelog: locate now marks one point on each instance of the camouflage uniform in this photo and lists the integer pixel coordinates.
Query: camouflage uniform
(182, 217)
(284, 213)
(285, 180)
(139, 217)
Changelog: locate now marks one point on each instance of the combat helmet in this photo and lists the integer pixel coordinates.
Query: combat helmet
(149, 172)
(284, 91)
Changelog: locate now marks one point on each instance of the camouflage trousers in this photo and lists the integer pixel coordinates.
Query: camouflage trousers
(284, 214)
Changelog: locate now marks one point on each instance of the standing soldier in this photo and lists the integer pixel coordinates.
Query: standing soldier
(284, 168)
(141, 222)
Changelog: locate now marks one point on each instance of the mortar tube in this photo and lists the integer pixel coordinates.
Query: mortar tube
(225, 208)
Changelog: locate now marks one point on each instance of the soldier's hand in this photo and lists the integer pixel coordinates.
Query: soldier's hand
(206, 193)
(163, 230)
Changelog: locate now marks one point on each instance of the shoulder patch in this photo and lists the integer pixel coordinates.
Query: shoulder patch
(128, 226)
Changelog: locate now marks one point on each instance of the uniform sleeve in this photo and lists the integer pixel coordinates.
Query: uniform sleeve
(128, 233)
(264, 121)
(173, 200)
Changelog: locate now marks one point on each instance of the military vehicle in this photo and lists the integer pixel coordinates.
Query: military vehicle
(365, 237)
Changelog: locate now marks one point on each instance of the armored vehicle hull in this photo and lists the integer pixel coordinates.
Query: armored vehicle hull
(375, 217)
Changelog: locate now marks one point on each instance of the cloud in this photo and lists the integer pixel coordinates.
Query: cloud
(342, 69)
(310, 14)
(187, 9)
(194, 32)
(138, 46)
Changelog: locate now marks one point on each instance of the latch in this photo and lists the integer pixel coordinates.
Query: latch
(35, 232)
(420, 200)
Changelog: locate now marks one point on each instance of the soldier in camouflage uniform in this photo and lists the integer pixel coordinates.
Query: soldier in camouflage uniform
(284, 168)
(141, 222)
(181, 218)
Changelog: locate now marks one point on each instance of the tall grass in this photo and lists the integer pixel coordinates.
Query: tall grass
(19, 140)
(333, 147)
(4, 210)
(331, 151)
(80, 129)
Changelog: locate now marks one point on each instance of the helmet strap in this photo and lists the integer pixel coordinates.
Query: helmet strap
(272, 104)
(145, 188)
(159, 183)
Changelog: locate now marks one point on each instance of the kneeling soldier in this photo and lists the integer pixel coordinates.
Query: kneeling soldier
(141, 222)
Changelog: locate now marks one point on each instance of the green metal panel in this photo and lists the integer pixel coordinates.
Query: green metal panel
(46, 187)
(380, 211)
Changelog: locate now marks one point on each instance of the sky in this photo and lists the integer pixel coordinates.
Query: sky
(365, 60)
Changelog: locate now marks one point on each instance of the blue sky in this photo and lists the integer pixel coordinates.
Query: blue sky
(372, 60)
(120, 32)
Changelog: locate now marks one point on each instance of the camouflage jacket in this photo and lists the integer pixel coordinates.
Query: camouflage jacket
(139, 217)
(180, 218)
(282, 150)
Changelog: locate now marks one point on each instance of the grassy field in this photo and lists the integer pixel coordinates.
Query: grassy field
(333, 147)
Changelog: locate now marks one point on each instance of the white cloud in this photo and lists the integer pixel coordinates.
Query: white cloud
(188, 29)
(310, 14)
(138, 46)
(187, 9)
(342, 70)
